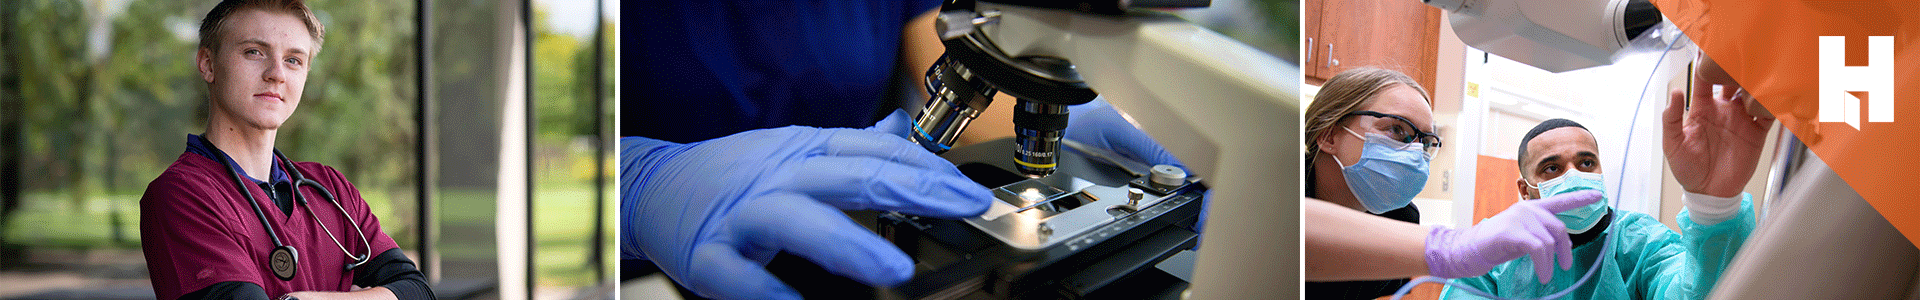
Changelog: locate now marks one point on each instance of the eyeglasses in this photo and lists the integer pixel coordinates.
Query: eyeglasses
(1404, 132)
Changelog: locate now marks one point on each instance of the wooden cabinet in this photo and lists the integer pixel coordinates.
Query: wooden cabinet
(1400, 35)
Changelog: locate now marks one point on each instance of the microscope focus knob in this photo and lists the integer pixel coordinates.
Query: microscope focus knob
(1169, 175)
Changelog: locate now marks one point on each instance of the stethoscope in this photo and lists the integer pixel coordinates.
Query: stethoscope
(284, 258)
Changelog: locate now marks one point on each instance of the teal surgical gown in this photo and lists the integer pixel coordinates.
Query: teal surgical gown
(1647, 261)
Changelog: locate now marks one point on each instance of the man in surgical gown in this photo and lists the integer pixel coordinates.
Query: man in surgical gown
(1647, 260)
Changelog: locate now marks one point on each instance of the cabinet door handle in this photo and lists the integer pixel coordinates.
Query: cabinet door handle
(1309, 51)
(1329, 55)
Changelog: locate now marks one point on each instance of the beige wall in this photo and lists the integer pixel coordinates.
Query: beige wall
(1447, 90)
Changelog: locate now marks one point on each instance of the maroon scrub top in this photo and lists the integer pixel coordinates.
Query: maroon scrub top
(197, 230)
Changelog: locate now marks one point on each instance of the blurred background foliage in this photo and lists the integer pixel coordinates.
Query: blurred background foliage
(110, 92)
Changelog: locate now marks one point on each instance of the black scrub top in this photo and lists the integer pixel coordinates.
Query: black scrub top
(1366, 289)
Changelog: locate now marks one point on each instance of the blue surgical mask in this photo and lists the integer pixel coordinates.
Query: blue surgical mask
(1388, 174)
(1580, 219)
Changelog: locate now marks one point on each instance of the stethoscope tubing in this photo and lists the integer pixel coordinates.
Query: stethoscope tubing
(299, 179)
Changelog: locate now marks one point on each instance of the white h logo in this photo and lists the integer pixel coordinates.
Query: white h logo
(1836, 79)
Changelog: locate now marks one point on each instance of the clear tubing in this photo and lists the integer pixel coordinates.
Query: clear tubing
(1607, 244)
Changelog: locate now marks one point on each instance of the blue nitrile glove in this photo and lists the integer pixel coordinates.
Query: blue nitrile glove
(712, 213)
(897, 123)
(1099, 125)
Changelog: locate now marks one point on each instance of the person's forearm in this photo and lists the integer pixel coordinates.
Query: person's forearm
(375, 293)
(634, 156)
(394, 272)
(1344, 244)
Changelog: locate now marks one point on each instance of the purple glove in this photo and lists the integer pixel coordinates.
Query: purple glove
(1526, 228)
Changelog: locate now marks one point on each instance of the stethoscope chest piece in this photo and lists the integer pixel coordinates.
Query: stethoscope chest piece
(282, 262)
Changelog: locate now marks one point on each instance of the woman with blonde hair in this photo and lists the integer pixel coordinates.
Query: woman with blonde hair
(1375, 107)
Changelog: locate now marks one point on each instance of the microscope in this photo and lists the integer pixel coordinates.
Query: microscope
(1066, 224)
(963, 82)
(1085, 222)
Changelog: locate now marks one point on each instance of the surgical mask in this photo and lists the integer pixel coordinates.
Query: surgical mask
(1388, 174)
(1580, 219)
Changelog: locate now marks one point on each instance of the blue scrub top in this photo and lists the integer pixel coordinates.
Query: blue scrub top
(699, 70)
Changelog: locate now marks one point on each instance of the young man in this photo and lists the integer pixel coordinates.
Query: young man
(233, 219)
(1646, 259)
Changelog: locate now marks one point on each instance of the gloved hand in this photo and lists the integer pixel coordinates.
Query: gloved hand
(1098, 124)
(1526, 228)
(897, 124)
(712, 213)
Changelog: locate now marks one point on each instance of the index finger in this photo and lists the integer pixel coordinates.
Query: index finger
(856, 142)
(1707, 75)
(861, 183)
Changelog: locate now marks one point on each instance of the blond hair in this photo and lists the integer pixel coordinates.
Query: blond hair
(212, 26)
(1346, 93)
